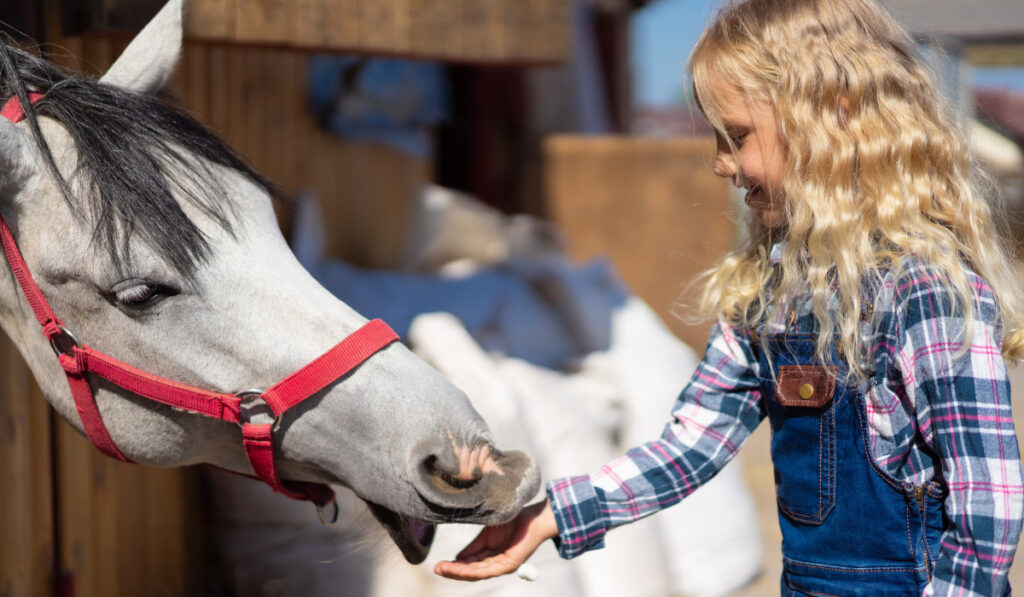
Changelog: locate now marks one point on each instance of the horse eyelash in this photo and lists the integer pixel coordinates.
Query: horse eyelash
(136, 294)
(144, 293)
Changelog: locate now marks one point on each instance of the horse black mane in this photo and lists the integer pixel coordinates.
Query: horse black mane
(135, 153)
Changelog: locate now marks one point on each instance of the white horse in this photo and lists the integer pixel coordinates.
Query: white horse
(155, 244)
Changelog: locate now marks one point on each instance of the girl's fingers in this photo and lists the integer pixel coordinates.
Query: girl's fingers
(476, 556)
(490, 541)
(478, 549)
(502, 549)
(472, 552)
(479, 570)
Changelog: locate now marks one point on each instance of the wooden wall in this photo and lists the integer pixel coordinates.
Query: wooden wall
(27, 548)
(255, 98)
(652, 206)
(73, 522)
(522, 31)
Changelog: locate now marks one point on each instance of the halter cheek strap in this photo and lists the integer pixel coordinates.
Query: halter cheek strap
(13, 109)
(79, 361)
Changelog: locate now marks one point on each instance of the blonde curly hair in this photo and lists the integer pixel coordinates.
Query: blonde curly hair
(877, 169)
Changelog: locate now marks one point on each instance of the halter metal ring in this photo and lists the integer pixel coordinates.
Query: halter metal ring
(64, 333)
(257, 394)
(328, 521)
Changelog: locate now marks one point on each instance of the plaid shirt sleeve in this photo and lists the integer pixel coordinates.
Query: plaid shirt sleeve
(962, 405)
(713, 416)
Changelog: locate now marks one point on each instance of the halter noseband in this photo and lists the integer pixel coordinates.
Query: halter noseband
(79, 360)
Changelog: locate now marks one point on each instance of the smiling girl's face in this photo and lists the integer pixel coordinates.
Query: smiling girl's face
(759, 161)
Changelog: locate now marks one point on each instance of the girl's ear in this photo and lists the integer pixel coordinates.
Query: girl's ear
(148, 61)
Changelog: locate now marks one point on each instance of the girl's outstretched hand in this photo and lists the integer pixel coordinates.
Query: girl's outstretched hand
(502, 549)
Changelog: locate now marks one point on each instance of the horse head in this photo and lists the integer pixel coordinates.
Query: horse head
(155, 244)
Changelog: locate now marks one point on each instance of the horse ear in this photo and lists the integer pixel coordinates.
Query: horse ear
(148, 61)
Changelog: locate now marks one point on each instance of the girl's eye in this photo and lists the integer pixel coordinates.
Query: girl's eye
(738, 139)
(140, 293)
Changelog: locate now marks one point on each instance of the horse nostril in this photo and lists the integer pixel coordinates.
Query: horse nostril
(445, 478)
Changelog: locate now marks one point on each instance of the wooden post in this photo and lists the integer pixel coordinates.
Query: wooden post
(26, 486)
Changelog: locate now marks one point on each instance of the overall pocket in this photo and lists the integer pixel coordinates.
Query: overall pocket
(804, 441)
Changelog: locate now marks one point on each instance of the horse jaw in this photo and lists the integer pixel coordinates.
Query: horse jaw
(412, 537)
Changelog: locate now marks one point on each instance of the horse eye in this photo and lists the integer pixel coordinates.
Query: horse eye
(140, 293)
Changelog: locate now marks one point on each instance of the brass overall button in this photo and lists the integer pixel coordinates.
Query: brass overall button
(806, 391)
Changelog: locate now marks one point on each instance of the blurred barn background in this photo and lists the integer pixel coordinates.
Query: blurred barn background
(531, 106)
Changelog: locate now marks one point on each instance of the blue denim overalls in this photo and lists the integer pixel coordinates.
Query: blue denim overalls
(847, 527)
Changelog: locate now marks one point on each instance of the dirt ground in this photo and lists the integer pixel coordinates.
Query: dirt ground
(758, 471)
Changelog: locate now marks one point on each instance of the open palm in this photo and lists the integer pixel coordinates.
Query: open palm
(503, 548)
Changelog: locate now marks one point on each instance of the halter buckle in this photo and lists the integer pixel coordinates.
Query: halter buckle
(328, 520)
(65, 335)
(250, 400)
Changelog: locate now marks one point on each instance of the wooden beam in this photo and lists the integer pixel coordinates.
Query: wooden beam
(473, 31)
(1005, 54)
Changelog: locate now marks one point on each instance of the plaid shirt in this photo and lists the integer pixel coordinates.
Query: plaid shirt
(924, 394)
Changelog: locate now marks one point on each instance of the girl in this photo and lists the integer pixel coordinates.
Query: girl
(867, 318)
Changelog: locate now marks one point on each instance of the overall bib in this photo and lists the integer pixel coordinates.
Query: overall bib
(848, 528)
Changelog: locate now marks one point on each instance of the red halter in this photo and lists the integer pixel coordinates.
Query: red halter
(79, 360)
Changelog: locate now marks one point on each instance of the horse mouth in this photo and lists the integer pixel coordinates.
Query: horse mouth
(412, 537)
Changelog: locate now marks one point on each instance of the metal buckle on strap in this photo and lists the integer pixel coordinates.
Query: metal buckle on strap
(328, 521)
(69, 341)
(250, 399)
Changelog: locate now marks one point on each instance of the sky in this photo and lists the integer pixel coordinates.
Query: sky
(663, 33)
(1012, 78)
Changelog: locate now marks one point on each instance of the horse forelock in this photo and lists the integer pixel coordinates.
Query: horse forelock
(137, 156)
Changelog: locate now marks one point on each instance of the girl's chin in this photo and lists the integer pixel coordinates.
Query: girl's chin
(766, 212)
(771, 218)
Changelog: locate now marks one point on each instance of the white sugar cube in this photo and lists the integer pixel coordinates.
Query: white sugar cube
(528, 572)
